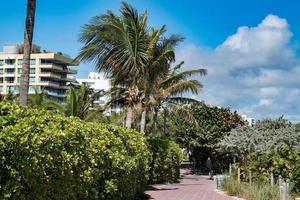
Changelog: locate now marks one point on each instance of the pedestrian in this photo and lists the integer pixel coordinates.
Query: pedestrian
(209, 168)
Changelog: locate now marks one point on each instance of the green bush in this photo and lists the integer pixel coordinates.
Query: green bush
(48, 156)
(165, 161)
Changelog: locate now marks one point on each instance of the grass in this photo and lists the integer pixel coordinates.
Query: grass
(255, 191)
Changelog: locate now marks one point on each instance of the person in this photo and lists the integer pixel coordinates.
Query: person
(209, 167)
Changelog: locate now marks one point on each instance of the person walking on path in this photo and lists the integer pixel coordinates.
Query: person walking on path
(209, 167)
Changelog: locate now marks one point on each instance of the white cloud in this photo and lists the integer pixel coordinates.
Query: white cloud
(254, 70)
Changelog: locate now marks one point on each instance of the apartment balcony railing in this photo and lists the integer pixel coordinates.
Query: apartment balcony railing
(58, 68)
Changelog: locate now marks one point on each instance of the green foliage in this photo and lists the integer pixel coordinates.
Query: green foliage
(202, 140)
(296, 179)
(270, 146)
(262, 137)
(80, 102)
(165, 161)
(255, 191)
(47, 156)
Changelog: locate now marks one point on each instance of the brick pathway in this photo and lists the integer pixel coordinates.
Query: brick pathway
(191, 187)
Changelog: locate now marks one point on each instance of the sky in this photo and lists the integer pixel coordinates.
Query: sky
(249, 47)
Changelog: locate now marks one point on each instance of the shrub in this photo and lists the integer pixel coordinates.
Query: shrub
(47, 156)
(165, 161)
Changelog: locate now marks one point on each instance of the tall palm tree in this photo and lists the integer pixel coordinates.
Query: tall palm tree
(118, 46)
(162, 54)
(169, 90)
(28, 35)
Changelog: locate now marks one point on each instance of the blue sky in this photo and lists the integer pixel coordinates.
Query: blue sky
(253, 69)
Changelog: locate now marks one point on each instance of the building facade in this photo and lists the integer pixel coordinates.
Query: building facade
(97, 82)
(250, 120)
(48, 72)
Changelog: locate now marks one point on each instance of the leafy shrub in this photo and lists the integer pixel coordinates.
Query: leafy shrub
(47, 156)
(296, 179)
(165, 161)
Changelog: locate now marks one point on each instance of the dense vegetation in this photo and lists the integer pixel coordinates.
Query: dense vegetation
(270, 146)
(165, 161)
(202, 136)
(48, 156)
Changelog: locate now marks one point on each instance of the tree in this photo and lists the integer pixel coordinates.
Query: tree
(262, 137)
(80, 101)
(118, 46)
(202, 140)
(40, 100)
(28, 35)
(169, 89)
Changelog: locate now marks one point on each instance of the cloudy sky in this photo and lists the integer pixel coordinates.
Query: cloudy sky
(250, 47)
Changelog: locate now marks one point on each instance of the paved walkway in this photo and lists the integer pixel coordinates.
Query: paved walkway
(191, 187)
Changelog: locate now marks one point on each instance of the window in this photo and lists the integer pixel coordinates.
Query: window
(31, 89)
(1, 71)
(20, 61)
(13, 89)
(32, 79)
(10, 61)
(18, 79)
(32, 61)
(1, 88)
(1, 80)
(32, 71)
(10, 79)
(20, 71)
(10, 71)
(45, 62)
(1, 62)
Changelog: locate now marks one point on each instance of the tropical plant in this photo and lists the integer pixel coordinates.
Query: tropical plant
(118, 46)
(28, 35)
(49, 156)
(202, 140)
(40, 100)
(80, 101)
(169, 89)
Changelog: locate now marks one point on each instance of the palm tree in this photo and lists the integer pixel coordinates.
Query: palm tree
(39, 100)
(80, 101)
(118, 46)
(161, 57)
(170, 88)
(28, 35)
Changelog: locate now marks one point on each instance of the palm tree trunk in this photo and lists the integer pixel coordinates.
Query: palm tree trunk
(143, 120)
(129, 117)
(154, 124)
(28, 35)
(165, 121)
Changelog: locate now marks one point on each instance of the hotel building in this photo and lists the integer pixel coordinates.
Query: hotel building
(48, 72)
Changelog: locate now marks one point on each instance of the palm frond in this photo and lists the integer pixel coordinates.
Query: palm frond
(176, 78)
(192, 86)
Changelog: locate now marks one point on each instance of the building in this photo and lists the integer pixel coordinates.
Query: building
(97, 82)
(250, 121)
(48, 71)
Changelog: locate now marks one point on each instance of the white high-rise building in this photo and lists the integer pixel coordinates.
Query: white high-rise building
(97, 81)
(250, 121)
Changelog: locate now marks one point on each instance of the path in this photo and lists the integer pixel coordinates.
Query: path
(191, 187)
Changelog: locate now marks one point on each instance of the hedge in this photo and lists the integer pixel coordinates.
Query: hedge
(165, 161)
(45, 155)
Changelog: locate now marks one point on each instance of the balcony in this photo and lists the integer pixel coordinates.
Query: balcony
(55, 94)
(9, 75)
(49, 75)
(58, 68)
(8, 66)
